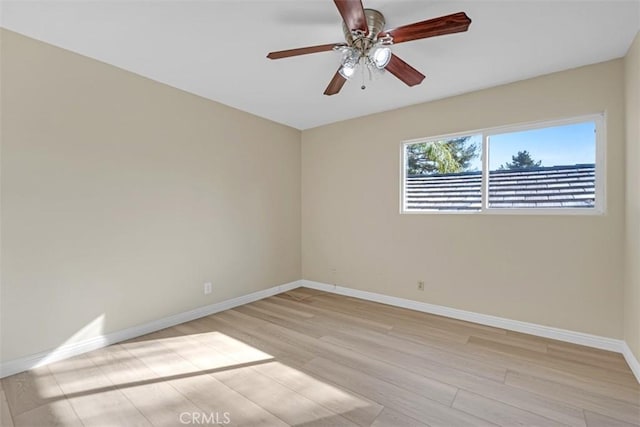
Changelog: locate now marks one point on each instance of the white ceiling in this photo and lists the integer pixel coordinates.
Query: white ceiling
(217, 49)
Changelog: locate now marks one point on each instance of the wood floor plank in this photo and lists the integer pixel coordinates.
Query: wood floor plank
(271, 312)
(535, 358)
(538, 346)
(435, 390)
(28, 390)
(578, 349)
(271, 395)
(391, 396)
(300, 294)
(345, 321)
(587, 384)
(301, 327)
(543, 368)
(37, 400)
(349, 316)
(379, 343)
(427, 387)
(604, 405)
(54, 413)
(339, 320)
(385, 319)
(5, 413)
(211, 331)
(403, 315)
(272, 305)
(93, 397)
(598, 420)
(589, 358)
(248, 329)
(390, 418)
(558, 411)
(497, 412)
(206, 392)
(578, 353)
(356, 408)
(160, 403)
(232, 363)
(431, 333)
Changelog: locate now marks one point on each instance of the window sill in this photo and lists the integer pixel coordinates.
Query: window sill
(498, 211)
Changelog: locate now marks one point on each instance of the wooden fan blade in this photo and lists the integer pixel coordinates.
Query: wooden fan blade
(352, 13)
(404, 71)
(302, 51)
(455, 23)
(335, 84)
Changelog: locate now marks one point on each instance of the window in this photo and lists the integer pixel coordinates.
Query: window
(444, 174)
(552, 167)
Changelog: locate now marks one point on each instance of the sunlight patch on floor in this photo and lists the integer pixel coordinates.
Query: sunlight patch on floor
(159, 377)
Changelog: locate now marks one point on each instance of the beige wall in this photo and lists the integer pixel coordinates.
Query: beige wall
(561, 271)
(121, 196)
(632, 282)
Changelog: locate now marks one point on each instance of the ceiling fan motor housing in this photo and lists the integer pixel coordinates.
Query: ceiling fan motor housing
(375, 23)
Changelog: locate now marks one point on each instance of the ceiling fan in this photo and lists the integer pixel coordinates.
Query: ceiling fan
(367, 43)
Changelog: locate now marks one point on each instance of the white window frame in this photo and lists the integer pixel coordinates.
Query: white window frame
(599, 119)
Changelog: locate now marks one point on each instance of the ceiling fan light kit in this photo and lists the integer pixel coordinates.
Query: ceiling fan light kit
(365, 49)
(380, 56)
(374, 60)
(368, 45)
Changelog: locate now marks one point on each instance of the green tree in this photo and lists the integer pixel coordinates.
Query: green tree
(522, 160)
(450, 156)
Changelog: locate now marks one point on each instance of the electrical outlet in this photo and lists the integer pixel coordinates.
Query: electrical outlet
(207, 288)
(421, 285)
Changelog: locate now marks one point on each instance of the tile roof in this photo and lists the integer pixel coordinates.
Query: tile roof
(570, 186)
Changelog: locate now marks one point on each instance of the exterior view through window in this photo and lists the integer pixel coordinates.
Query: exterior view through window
(554, 167)
(444, 174)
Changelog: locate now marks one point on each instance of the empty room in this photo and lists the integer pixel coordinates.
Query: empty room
(320, 213)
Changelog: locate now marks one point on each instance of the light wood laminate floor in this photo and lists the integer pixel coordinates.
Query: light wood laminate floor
(309, 358)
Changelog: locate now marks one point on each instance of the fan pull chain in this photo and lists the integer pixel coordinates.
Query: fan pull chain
(363, 87)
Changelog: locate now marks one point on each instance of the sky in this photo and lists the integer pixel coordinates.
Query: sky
(558, 145)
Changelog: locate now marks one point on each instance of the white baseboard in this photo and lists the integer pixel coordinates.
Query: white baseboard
(69, 350)
(631, 359)
(604, 343)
